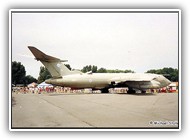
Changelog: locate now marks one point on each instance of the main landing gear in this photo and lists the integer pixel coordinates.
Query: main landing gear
(132, 91)
(104, 90)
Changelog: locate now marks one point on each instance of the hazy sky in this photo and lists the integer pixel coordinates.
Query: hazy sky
(135, 41)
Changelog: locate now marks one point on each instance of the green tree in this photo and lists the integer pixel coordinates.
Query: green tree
(43, 75)
(120, 71)
(18, 73)
(29, 79)
(94, 69)
(128, 71)
(89, 68)
(101, 70)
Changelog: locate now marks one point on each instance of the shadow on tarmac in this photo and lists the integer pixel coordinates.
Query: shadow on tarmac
(138, 94)
(135, 94)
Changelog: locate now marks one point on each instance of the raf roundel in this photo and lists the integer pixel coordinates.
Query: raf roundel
(58, 65)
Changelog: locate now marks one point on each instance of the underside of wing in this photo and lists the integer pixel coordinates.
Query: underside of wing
(135, 83)
(125, 80)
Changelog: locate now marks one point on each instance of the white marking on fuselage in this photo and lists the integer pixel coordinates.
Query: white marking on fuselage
(58, 65)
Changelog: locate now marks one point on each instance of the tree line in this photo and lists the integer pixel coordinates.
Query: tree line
(19, 73)
(95, 69)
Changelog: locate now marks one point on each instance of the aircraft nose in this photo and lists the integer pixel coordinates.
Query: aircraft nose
(164, 82)
(168, 82)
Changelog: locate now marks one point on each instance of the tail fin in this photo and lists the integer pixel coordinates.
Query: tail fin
(53, 64)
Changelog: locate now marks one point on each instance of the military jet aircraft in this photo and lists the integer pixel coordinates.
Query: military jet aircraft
(62, 76)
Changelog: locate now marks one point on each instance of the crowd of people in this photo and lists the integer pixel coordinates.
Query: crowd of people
(57, 89)
(38, 90)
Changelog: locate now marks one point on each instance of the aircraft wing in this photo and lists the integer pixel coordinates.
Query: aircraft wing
(120, 80)
(135, 82)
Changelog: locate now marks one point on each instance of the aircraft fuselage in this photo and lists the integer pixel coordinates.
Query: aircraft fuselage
(140, 81)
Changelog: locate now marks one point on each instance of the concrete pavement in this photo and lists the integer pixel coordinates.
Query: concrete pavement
(94, 110)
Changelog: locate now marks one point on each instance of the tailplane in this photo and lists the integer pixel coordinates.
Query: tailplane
(53, 64)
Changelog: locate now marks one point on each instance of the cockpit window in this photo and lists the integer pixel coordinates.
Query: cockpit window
(154, 78)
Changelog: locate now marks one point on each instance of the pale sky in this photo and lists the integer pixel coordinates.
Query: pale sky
(135, 41)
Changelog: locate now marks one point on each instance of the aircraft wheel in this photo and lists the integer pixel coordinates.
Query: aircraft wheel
(143, 91)
(105, 90)
(131, 91)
